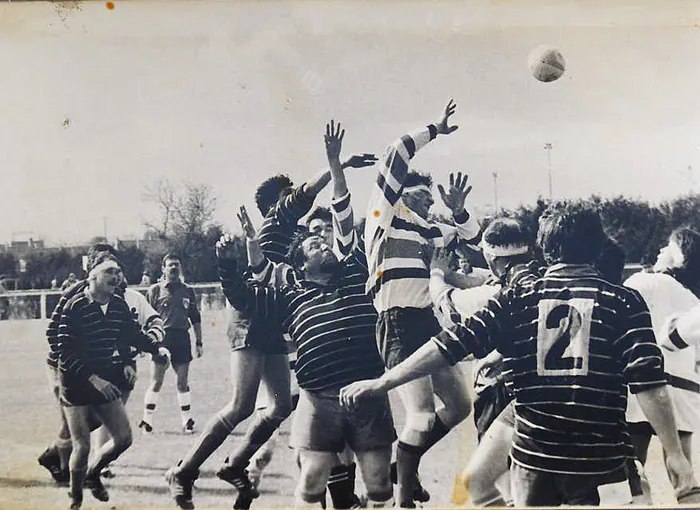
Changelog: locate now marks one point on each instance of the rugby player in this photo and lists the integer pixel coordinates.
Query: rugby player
(399, 238)
(673, 287)
(259, 353)
(331, 321)
(94, 327)
(573, 343)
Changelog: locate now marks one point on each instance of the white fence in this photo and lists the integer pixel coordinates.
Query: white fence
(38, 304)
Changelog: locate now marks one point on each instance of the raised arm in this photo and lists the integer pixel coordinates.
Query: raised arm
(264, 271)
(254, 299)
(393, 169)
(343, 218)
(454, 198)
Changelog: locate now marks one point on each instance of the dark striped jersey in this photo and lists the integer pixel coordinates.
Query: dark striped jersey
(398, 241)
(332, 326)
(55, 320)
(91, 341)
(280, 274)
(572, 345)
(280, 224)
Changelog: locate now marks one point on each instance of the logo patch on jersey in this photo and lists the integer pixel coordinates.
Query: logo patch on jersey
(563, 336)
(186, 302)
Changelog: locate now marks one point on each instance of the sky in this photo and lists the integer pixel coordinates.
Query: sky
(98, 104)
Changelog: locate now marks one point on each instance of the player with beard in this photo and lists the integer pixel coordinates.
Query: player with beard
(259, 353)
(331, 321)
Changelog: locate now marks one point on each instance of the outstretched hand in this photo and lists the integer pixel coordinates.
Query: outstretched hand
(360, 161)
(334, 140)
(443, 126)
(248, 228)
(225, 249)
(457, 193)
(441, 260)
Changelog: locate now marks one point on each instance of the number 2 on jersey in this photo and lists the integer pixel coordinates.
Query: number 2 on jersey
(563, 336)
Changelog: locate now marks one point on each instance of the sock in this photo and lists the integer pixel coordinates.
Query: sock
(64, 447)
(214, 434)
(341, 485)
(407, 461)
(150, 400)
(259, 432)
(77, 477)
(380, 501)
(184, 401)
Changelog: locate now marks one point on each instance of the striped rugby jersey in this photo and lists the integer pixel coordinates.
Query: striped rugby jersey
(572, 345)
(332, 326)
(55, 320)
(398, 241)
(280, 224)
(91, 341)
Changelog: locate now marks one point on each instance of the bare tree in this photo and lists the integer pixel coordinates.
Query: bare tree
(166, 197)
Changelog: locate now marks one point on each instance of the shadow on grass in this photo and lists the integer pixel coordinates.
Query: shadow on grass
(18, 483)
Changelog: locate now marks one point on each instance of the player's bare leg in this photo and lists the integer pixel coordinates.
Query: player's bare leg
(374, 466)
(184, 399)
(150, 399)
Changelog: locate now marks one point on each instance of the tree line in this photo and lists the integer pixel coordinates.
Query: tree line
(185, 224)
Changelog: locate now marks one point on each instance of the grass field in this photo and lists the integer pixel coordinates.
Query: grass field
(30, 419)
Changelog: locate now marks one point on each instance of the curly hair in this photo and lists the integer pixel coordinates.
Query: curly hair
(268, 192)
(570, 232)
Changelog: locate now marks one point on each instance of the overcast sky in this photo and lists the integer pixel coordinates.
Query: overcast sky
(96, 104)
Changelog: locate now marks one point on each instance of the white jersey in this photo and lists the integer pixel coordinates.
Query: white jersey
(665, 296)
(145, 313)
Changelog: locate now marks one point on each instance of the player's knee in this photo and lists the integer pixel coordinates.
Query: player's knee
(278, 412)
(123, 440)
(421, 421)
(81, 449)
(235, 412)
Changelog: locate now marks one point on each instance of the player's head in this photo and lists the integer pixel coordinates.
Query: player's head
(271, 191)
(309, 254)
(611, 262)
(172, 267)
(103, 272)
(681, 255)
(320, 222)
(465, 253)
(570, 233)
(505, 242)
(417, 193)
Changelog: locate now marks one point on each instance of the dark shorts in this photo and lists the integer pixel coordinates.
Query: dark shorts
(539, 488)
(402, 331)
(178, 342)
(78, 391)
(488, 405)
(321, 424)
(253, 334)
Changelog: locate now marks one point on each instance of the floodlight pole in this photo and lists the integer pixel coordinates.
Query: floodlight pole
(548, 149)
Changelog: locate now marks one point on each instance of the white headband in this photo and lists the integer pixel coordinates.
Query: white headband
(105, 264)
(503, 251)
(417, 187)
